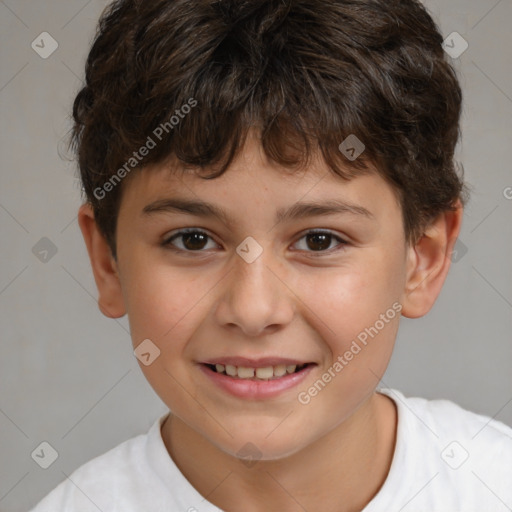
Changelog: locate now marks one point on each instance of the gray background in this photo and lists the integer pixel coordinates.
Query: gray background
(68, 375)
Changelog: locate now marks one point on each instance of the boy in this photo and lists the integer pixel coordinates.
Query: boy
(221, 145)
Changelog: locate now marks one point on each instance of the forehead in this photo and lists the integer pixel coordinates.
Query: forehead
(253, 183)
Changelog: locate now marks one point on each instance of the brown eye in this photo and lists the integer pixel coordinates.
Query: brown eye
(320, 241)
(193, 240)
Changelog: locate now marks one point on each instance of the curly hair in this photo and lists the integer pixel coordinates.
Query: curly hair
(305, 73)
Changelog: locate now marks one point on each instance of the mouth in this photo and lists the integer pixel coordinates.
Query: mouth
(255, 379)
(270, 372)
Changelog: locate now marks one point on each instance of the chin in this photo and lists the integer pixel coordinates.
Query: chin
(260, 449)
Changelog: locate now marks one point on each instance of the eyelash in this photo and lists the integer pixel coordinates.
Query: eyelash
(168, 245)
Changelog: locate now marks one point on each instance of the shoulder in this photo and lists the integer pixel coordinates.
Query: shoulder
(440, 421)
(460, 460)
(106, 481)
(445, 418)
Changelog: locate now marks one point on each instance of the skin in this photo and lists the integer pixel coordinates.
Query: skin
(334, 453)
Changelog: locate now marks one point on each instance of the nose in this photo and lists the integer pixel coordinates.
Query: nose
(255, 297)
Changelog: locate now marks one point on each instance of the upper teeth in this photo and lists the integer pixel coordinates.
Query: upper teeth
(267, 372)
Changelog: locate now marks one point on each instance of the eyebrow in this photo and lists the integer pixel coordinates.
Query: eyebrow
(298, 210)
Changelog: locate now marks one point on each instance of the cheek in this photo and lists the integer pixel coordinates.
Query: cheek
(356, 314)
(162, 301)
(347, 303)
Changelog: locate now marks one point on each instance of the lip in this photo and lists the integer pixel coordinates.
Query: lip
(256, 389)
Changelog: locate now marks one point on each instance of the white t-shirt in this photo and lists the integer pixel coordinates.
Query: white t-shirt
(446, 459)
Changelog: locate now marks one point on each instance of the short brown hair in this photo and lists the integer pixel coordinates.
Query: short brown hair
(305, 73)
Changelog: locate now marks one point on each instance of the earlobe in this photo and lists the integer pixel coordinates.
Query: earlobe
(428, 262)
(104, 267)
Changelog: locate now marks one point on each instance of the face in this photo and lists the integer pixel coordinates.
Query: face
(254, 291)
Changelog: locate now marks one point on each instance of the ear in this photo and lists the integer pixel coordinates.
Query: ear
(428, 263)
(104, 266)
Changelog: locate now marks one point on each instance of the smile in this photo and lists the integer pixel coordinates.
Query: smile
(257, 381)
(264, 373)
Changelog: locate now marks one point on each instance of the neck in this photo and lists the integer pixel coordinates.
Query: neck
(343, 470)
